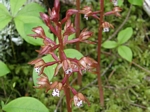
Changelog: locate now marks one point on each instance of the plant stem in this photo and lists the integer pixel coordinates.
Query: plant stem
(63, 57)
(67, 93)
(77, 25)
(99, 52)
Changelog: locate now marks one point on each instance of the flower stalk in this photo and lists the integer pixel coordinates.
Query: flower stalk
(77, 25)
(99, 52)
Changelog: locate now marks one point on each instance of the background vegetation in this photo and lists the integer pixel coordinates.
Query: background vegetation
(126, 85)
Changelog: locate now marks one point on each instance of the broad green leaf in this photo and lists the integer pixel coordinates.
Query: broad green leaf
(25, 104)
(16, 5)
(22, 28)
(3, 69)
(4, 21)
(109, 44)
(31, 9)
(73, 53)
(49, 71)
(3, 10)
(136, 2)
(29, 19)
(125, 52)
(125, 35)
(5, 17)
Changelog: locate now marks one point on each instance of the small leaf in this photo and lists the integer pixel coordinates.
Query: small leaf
(109, 44)
(3, 69)
(16, 5)
(49, 71)
(125, 35)
(73, 53)
(31, 9)
(136, 2)
(25, 104)
(125, 52)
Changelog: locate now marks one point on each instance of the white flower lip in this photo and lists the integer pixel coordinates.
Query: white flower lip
(56, 92)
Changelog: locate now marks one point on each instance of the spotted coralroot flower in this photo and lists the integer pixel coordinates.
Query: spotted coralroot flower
(56, 86)
(87, 11)
(43, 82)
(117, 11)
(66, 65)
(78, 98)
(89, 64)
(106, 26)
(38, 63)
(39, 32)
(68, 28)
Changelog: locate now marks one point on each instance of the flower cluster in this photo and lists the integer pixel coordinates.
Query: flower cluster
(62, 29)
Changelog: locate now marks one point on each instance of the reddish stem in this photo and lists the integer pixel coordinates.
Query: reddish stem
(77, 25)
(99, 52)
(63, 57)
(67, 93)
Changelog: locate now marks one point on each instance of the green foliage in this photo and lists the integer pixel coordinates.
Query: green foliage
(3, 69)
(5, 17)
(136, 2)
(123, 36)
(22, 17)
(73, 53)
(109, 44)
(15, 6)
(125, 52)
(25, 104)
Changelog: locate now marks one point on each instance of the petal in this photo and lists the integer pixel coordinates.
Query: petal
(57, 69)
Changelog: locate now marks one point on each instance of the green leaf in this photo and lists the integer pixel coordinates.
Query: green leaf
(31, 9)
(49, 71)
(29, 19)
(3, 69)
(125, 35)
(3, 10)
(16, 5)
(25, 29)
(4, 21)
(125, 52)
(25, 104)
(136, 2)
(109, 44)
(73, 53)
(5, 17)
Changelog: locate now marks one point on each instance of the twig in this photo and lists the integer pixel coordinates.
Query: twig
(123, 23)
(137, 105)
(140, 67)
